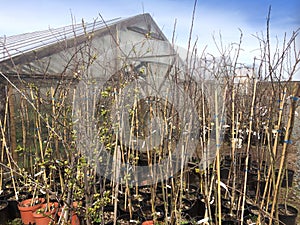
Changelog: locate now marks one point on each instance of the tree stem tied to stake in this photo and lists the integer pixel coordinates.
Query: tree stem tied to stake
(287, 136)
(248, 149)
(218, 160)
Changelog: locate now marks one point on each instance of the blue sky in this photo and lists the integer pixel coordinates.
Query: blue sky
(212, 17)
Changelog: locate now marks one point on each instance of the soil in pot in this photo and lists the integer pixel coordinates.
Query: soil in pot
(229, 220)
(126, 220)
(148, 214)
(146, 190)
(185, 206)
(135, 206)
(108, 215)
(27, 207)
(158, 202)
(136, 203)
(7, 193)
(226, 161)
(224, 173)
(4, 213)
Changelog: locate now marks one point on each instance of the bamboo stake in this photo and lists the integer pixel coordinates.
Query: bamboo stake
(274, 149)
(9, 160)
(284, 151)
(234, 132)
(218, 160)
(248, 149)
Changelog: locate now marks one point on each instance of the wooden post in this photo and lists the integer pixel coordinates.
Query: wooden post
(12, 124)
(2, 101)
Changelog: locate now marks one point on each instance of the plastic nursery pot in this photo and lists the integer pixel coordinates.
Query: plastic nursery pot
(27, 207)
(7, 193)
(287, 214)
(229, 220)
(13, 205)
(4, 213)
(288, 177)
(108, 215)
(148, 214)
(185, 206)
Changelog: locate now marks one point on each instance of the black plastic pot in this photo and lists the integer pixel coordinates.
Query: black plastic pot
(4, 213)
(191, 193)
(197, 209)
(146, 214)
(185, 206)
(287, 214)
(13, 209)
(226, 161)
(255, 186)
(241, 160)
(224, 173)
(107, 216)
(7, 193)
(158, 202)
(135, 206)
(13, 203)
(229, 207)
(229, 220)
(288, 177)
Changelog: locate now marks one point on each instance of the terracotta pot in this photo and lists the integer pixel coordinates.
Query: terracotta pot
(26, 210)
(148, 222)
(44, 218)
(74, 218)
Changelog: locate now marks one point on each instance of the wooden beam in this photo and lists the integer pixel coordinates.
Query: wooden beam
(12, 123)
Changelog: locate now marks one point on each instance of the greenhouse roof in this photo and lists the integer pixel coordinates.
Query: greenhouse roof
(34, 45)
(19, 44)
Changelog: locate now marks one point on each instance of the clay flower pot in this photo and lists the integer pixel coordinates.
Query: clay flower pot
(74, 218)
(44, 216)
(27, 208)
(148, 222)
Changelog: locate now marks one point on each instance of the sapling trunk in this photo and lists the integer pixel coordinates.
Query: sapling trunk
(219, 203)
(248, 149)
